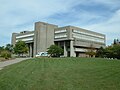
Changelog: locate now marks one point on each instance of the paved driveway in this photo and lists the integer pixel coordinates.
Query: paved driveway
(9, 62)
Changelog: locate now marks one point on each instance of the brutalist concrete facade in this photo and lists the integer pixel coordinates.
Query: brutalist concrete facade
(43, 36)
(75, 41)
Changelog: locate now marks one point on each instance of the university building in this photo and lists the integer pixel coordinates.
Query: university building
(74, 40)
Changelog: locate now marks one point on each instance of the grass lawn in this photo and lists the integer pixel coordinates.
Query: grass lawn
(62, 74)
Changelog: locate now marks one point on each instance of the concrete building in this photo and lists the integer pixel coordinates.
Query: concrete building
(75, 41)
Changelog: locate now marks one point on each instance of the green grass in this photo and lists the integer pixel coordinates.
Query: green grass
(62, 74)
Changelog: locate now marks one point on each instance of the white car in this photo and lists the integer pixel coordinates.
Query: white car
(42, 54)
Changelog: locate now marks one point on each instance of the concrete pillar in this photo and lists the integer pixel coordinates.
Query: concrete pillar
(13, 42)
(43, 36)
(31, 50)
(65, 49)
(35, 42)
(58, 43)
(72, 51)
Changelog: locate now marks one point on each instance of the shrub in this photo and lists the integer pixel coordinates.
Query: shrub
(55, 51)
(21, 48)
(6, 54)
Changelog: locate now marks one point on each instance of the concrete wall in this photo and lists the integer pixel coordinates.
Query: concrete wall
(85, 43)
(44, 36)
(13, 41)
(79, 42)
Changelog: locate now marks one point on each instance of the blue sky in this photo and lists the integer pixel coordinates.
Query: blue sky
(101, 16)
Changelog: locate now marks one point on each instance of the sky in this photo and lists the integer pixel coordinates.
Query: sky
(101, 16)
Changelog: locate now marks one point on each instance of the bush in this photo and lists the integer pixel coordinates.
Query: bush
(6, 54)
(55, 51)
(21, 48)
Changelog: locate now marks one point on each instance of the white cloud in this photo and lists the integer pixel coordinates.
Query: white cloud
(111, 27)
(19, 12)
(19, 15)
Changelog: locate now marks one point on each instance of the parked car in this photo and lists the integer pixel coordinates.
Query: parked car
(44, 54)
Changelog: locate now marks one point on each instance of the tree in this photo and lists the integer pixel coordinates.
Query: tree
(113, 51)
(115, 41)
(55, 51)
(116, 51)
(20, 48)
(100, 52)
(91, 51)
(9, 47)
(1, 49)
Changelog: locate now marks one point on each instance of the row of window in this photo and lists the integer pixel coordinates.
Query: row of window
(61, 36)
(77, 31)
(90, 38)
(60, 31)
(81, 49)
(23, 36)
(25, 39)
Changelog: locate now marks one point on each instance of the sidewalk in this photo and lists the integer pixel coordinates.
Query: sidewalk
(9, 62)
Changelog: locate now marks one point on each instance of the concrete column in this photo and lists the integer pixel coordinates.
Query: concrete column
(58, 43)
(35, 43)
(72, 51)
(65, 51)
(30, 50)
(13, 42)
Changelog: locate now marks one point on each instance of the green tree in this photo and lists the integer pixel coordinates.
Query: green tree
(100, 52)
(1, 49)
(109, 52)
(115, 41)
(91, 51)
(55, 51)
(113, 51)
(116, 51)
(20, 48)
(9, 47)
